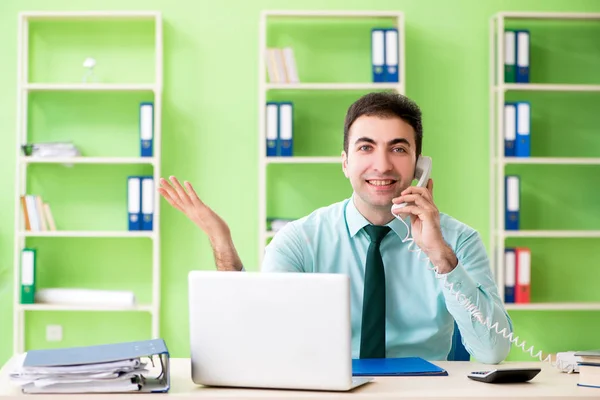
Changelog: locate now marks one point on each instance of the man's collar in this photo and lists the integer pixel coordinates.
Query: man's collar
(356, 221)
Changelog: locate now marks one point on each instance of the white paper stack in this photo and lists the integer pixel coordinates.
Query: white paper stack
(88, 297)
(53, 149)
(116, 376)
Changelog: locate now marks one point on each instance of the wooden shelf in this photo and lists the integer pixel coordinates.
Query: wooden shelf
(552, 234)
(331, 14)
(548, 87)
(86, 15)
(303, 160)
(91, 234)
(552, 160)
(553, 306)
(73, 307)
(88, 160)
(333, 86)
(549, 15)
(115, 87)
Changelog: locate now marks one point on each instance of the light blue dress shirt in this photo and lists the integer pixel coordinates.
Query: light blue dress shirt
(420, 310)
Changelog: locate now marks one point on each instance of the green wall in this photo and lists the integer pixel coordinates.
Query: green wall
(210, 138)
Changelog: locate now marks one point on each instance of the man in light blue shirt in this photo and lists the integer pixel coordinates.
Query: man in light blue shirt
(399, 306)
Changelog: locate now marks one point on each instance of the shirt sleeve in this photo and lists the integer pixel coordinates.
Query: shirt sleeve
(285, 252)
(470, 287)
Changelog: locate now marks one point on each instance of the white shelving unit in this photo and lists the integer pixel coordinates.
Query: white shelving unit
(498, 162)
(264, 87)
(22, 162)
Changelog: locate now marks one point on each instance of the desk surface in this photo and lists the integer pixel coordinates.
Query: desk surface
(549, 383)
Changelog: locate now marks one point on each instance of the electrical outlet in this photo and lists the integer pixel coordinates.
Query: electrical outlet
(53, 333)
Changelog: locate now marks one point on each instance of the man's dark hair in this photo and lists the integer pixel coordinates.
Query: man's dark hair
(386, 105)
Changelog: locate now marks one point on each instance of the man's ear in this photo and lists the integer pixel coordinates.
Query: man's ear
(345, 163)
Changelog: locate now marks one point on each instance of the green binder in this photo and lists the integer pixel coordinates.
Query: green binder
(510, 56)
(28, 267)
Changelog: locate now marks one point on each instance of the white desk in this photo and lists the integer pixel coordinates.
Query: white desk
(549, 383)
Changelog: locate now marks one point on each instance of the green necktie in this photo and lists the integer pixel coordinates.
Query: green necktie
(372, 341)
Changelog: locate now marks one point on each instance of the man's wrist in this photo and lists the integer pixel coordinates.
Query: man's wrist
(444, 259)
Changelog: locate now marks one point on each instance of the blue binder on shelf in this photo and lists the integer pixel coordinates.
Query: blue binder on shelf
(378, 54)
(286, 129)
(523, 137)
(511, 202)
(47, 359)
(510, 129)
(134, 203)
(391, 55)
(403, 366)
(510, 277)
(147, 207)
(272, 129)
(522, 50)
(146, 129)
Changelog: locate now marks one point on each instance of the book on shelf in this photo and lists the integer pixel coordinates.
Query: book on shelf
(281, 65)
(37, 214)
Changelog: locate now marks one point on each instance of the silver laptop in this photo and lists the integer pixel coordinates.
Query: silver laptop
(271, 330)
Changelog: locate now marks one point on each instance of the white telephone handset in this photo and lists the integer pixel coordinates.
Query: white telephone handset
(422, 174)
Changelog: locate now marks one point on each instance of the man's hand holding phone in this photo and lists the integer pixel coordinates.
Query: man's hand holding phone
(425, 225)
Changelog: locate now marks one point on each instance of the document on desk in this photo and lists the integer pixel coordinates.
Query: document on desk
(121, 367)
(404, 366)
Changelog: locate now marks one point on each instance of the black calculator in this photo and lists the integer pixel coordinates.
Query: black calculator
(505, 375)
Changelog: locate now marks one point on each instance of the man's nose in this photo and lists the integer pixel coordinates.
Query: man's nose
(382, 162)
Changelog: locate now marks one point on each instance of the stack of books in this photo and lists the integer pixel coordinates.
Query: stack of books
(281, 65)
(37, 214)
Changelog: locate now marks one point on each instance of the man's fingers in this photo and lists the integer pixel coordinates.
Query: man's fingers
(193, 196)
(408, 210)
(183, 196)
(169, 199)
(417, 199)
(419, 190)
(170, 190)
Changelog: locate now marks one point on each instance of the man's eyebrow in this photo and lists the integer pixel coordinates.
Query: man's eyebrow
(399, 140)
(390, 143)
(364, 139)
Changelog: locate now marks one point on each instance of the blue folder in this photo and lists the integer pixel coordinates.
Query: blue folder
(405, 366)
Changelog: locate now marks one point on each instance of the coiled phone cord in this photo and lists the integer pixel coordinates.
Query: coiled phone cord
(476, 313)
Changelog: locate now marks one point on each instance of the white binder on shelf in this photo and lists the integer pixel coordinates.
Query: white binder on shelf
(272, 119)
(391, 55)
(134, 187)
(378, 55)
(147, 203)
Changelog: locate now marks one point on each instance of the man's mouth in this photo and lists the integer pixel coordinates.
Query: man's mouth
(381, 182)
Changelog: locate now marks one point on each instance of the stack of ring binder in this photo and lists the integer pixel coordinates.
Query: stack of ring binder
(107, 368)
